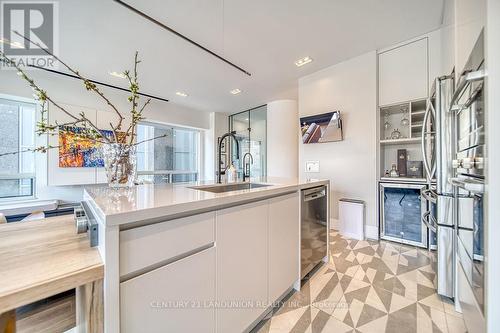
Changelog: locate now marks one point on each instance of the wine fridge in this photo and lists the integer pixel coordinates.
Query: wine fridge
(402, 208)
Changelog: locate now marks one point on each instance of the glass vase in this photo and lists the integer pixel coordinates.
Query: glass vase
(120, 162)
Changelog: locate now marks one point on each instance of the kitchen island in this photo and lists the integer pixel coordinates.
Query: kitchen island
(197, 257)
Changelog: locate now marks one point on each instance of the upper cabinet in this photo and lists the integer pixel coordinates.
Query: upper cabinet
(404, 72)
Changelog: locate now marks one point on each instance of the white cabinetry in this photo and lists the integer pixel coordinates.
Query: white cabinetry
(403, 72)
(173, 298)
(284, 244)
(155, 243)
(174, 279)
(242, 265)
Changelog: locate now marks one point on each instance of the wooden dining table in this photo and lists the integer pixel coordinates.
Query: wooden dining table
(40, 259)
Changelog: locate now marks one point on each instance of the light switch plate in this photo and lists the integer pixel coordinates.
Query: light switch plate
(312, 166)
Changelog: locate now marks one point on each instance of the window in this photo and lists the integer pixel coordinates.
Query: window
(172, 159)
(17, 130)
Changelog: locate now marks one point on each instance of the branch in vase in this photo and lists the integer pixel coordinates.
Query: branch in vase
(114, 132)
(41, 94)
(88, 84)
(89, 129)
(136, 119)
(42, 149)
(155, 138)
(43, 97)
(134, 89)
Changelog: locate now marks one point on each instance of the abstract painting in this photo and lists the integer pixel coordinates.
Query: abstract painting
(76, 151)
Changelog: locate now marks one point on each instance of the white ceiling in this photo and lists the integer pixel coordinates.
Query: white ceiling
(264, 37)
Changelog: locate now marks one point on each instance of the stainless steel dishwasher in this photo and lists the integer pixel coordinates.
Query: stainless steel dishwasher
(314, 228)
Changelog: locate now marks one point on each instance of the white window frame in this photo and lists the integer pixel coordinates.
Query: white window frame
(20, 175)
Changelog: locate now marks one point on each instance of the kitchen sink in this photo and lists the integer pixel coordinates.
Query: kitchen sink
(222, 188)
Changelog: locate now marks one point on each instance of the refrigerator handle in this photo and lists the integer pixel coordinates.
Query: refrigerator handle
(429, 170)
(428, 223)
(466, 78)
(472, 186)
(429, 195)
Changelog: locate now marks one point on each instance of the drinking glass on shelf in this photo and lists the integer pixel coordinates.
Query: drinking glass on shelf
(387, 124)
(396, 134)
(405, 121)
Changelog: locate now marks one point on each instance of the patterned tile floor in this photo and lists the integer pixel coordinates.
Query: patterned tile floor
(368, 286)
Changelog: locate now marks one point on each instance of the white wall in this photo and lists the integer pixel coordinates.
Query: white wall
(282, 139)
(71, 93)
(350, 87)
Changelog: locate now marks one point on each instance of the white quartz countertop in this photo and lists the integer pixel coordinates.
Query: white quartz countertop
(118, 206)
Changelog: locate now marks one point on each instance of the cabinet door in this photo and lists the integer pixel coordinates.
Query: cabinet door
(403, 73)
(284, 244)
(242, 272)
(174, 298)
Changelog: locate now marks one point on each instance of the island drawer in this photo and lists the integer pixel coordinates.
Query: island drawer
(145, 247)
(177, 297)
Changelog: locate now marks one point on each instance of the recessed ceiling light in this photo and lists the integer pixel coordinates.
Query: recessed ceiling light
(118, 75)
(235, 91)
(303, 61)
(180, 93)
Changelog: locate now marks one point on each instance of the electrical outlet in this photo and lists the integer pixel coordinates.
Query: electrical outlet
(312, 166)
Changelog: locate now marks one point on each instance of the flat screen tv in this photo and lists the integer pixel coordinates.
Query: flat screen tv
(326, 127)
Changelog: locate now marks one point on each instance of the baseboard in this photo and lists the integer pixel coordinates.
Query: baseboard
(334, 223)
(371, 232)
(350, 235)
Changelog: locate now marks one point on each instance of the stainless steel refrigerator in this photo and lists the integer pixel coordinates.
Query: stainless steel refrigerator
(439, 146)
(469, 108)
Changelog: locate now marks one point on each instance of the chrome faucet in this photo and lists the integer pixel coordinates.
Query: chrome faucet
(220, 172)
(246, 166)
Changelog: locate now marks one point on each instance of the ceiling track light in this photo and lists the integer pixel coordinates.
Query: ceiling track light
(178, 34)
(180, 93)
(96, 82)
(235, 91)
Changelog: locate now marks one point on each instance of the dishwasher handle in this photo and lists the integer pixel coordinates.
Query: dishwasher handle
(313, 193)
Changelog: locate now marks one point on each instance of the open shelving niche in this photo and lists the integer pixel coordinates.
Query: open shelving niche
(410, 135)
